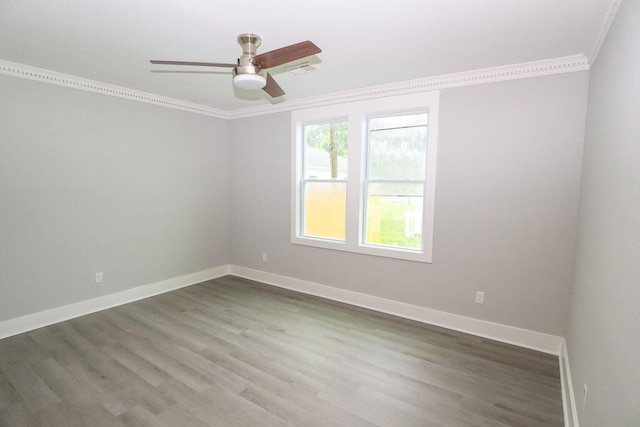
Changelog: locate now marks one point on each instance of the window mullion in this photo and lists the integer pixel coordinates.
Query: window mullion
(354, 179)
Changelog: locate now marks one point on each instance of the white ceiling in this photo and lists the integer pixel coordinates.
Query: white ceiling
(364, 42)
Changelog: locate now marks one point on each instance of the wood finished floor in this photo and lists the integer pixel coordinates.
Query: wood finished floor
(232, 352)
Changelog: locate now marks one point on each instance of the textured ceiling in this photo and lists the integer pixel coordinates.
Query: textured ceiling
(364, 42)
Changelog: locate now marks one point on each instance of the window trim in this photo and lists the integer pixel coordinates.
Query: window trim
(357, 114)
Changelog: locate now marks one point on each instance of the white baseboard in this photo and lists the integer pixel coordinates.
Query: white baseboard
(568, 396)
(33, 321)
(521, 337)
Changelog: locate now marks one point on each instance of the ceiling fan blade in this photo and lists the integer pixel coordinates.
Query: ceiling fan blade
(273, 88)
(285, 54)
(201, 64)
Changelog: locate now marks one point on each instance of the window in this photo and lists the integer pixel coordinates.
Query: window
(364, 176)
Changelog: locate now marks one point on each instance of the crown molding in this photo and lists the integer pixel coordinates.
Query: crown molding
(567, 64)
(604, 29)
(47, 76)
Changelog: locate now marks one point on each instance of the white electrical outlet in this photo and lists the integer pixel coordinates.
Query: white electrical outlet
(99, 277)
(479, 297)
(584, 397)
(264, 257)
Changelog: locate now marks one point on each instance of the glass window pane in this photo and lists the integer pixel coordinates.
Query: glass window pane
(394, 215)
(325, 150)
(325, 209)
(399, 153)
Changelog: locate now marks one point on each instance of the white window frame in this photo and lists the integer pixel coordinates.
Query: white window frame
(357, 113)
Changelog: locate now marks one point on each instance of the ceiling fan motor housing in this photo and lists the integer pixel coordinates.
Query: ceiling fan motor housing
(249, 43)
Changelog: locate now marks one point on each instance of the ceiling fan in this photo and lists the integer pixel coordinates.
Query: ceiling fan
(250, 72)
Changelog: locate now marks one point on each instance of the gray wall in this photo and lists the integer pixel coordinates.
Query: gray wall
(603, 336)
(509, 160)
(94, 183)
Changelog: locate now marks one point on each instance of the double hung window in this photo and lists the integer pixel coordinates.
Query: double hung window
(364, 176)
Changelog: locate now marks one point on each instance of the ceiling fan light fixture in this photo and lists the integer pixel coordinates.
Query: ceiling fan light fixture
(249, 81)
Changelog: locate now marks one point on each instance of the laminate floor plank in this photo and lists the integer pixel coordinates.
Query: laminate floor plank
(238, 411)
(159, 328)
(23, 347)
(131, 388)
(203, 334)
(208, 369)
(89, 328)
(136, 364)
(233, 352)
(82, 348)
(309, 409)
(59, 350)
(181, 416)
(139, 416)
(64, 415)
(286, 409)
(67, 387)
(34, 392)
(17, 415)
(504, 415)
(108, 393)
(8, 394)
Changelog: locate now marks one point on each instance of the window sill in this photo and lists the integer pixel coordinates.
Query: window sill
(385, 252)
